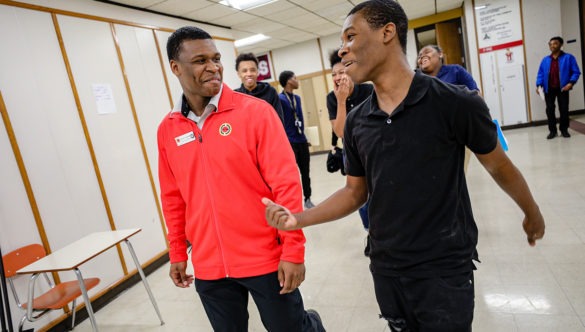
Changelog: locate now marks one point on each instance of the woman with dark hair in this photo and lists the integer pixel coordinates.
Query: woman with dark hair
(430, 62)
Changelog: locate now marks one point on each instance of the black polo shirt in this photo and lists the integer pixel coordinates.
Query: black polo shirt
(421, 223)
(360, 93)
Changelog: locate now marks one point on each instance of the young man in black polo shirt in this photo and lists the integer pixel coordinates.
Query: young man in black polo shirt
(405, 147)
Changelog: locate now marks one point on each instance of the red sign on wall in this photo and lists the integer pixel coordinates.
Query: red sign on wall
(263, 68)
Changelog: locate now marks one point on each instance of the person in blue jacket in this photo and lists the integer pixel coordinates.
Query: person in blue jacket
(557, 74)
(430, 62)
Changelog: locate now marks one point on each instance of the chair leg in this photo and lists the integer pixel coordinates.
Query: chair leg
(73, 318)
(21, 323)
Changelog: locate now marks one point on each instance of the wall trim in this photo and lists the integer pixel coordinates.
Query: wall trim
(432, 19)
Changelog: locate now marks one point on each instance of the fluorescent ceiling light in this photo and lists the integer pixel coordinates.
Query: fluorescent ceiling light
(245, 4)
(250, 40)
(480, 7)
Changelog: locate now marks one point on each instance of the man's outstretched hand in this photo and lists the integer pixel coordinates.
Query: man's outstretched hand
(534, 228)
(280, 217)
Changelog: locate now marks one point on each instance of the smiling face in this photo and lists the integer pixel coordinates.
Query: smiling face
(337, 72)
(429, 60)
(363, 48)
(198, 68)
(248, 73)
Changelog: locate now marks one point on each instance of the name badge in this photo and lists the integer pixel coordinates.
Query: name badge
(185, 138)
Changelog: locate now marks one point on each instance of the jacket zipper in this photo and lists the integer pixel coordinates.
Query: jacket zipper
(213, 209)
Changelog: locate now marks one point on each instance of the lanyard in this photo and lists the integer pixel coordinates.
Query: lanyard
(292, 103)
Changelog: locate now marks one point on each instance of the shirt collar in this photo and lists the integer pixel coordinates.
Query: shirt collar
(185, 109)
(561, 53)
(418, 89)
(442, 71)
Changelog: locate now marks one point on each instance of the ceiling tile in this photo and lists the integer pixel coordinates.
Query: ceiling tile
(234, 19)
(293, 35)
(179, 7)
(269, 9)
(286, 21)
(301, 22)
(320, 5)
(259, 25)
(336, 13)
(288, 14)
(324, 29)
(209, 13)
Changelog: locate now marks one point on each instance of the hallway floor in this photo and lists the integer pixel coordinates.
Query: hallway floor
(518, 287)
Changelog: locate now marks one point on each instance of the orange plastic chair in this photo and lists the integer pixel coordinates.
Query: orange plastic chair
(55, 298)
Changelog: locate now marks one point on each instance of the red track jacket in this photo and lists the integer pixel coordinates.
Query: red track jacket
(211, 183)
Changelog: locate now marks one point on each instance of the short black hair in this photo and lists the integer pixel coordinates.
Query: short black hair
(334, 57)
(180, 35)
(381, 12)
(284, 77)
(558, 38)
(246, 57)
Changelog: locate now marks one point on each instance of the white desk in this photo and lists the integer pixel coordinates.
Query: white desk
(81, 251)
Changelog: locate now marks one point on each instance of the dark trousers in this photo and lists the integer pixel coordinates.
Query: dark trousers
(303, 159)
(563, 102)
(440, 304)
(226, 305)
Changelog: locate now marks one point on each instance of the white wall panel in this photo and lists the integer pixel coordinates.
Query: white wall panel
(572, 31)
(228, 59)
(36, 91)
(411, 53)
(542, 20)
(176, 90)
(471, 43)
(328, 45)
(151, 101)
(16, 218)
(48, 129)
(17, 222)
(303, 58)
(93, 58)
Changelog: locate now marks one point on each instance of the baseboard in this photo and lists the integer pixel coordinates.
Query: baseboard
(539, 122)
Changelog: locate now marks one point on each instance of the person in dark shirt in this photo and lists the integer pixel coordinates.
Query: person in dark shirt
(405, 149)
(344, 97)
(430, 62)
(247, 68)
(557, 74)
(294, 125)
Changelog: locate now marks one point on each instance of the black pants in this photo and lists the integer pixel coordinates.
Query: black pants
(563, 102)
(441, 304)
(226, 305)
(303, 159)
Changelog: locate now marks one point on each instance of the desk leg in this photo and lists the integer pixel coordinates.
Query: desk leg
(88, 306)
(144, 281)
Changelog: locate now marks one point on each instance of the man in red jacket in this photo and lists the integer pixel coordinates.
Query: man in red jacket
(219, 153)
